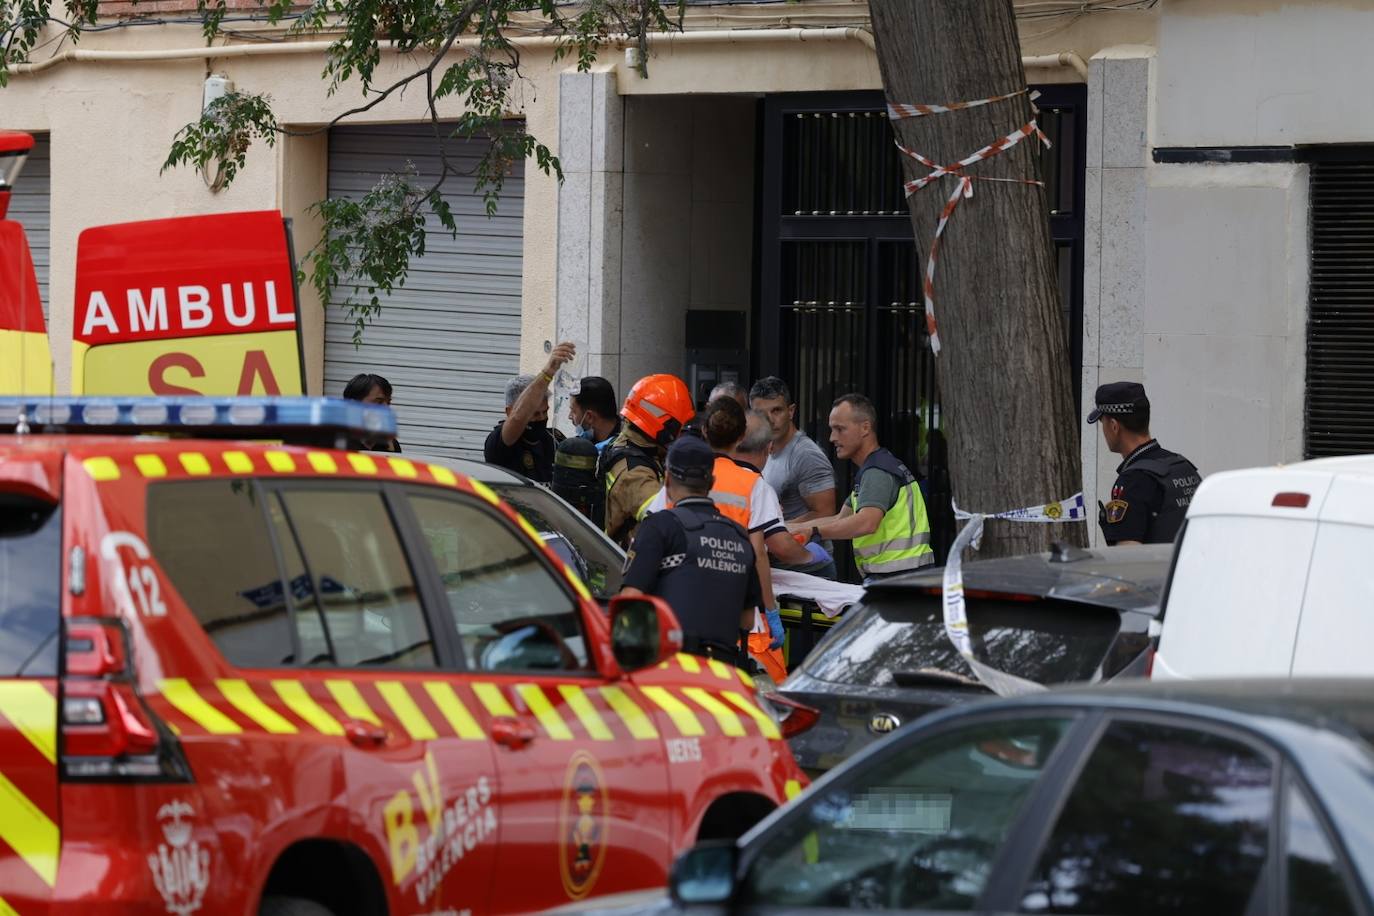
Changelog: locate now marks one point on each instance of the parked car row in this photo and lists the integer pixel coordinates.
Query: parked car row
(1186, 796)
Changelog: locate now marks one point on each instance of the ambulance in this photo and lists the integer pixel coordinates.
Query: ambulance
(243, 671)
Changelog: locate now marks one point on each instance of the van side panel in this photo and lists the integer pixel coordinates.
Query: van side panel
(1337, 626)
(1235, 597)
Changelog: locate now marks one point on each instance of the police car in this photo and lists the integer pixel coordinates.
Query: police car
(250, 677)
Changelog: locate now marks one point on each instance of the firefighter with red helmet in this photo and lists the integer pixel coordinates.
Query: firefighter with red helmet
(656, 410)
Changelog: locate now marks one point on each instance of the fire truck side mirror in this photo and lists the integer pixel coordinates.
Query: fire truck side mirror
(644, 631)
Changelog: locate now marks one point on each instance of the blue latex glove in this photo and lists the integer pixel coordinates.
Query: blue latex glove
(774, 627)
(818, 553)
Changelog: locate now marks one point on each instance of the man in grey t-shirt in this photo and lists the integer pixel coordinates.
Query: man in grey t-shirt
(797, 467)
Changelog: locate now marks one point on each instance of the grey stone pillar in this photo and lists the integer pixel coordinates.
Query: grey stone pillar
(1114, 244)
(591, 148)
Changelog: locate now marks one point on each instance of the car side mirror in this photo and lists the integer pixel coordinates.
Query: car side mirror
(644, 631)
(705, 874)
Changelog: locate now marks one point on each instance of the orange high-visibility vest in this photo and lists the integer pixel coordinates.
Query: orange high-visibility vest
(732, 490)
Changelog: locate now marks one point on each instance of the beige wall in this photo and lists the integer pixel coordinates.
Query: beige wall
(132, 110)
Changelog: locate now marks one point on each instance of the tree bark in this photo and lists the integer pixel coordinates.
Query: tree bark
(1003, 371)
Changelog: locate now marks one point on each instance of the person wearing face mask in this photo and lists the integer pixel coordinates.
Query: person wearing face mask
(593, 410)
(522, 442)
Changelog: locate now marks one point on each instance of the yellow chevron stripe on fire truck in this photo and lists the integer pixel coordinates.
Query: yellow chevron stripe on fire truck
(690, 663)
(322, 462)
(640, 724)
(729, 722)
(294, 695)
(281, 462)
(28, 831)
(459, 719)
(346, 694)
(179, 692)
(410, 716)
(767, 726)
(720, 669)
(101, 469)
(195, 464)
(242, 698)
(6, 909)
(238, 462)
(490, 696)
(33, 711)
(543, 711)
(150, 465)
(586, 713)
(683, 718)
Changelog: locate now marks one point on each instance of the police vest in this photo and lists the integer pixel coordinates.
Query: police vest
(707, 588)
(1179, 479)
(902, 540)
(634, 456)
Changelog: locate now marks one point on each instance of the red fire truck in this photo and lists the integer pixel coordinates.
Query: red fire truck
(248, 677)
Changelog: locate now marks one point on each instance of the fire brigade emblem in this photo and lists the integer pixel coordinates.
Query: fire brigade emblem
(583, 824)
(181, 866)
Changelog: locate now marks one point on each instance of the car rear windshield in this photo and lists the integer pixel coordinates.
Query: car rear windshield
(898, 638)
(30, 587)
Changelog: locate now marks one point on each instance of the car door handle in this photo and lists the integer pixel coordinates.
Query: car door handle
(511, 733)
(365, 734)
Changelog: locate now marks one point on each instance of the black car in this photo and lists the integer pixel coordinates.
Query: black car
(1214, 798)
(1068, 616)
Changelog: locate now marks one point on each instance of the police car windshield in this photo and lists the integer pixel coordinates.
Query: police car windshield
(546, 512)
(901, 633)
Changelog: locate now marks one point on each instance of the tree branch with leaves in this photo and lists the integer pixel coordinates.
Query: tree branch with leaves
(462, 49)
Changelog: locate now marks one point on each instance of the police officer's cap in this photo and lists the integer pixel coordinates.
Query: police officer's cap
(690, 459)
(1119, 399)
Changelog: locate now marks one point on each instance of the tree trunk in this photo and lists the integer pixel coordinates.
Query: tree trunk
(1003, 370)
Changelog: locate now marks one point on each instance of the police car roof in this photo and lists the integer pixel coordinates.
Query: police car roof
(1125, 578)
(471, 467)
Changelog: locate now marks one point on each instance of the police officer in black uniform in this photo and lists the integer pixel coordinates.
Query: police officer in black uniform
(1154, 486)
(695, 559)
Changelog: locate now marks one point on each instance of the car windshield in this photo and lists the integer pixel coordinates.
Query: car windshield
(548, 513)
(898, 639)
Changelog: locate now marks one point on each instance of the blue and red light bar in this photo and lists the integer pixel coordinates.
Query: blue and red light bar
(326, 421)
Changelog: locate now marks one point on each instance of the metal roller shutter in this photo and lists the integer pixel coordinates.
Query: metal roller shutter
(450, 339)
(1340, 327)
(31, 205)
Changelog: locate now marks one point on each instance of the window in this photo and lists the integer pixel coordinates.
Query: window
(364, 587)
(211, 540)
(30, 587)
(918, 828)
(901, 640)
(1161, 820)
(595, 557)
(1315, 885)
(511, 614)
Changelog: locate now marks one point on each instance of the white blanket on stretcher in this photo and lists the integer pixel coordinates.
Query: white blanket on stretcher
(832, 597)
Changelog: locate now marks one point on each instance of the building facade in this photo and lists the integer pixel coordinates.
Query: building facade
(1214, 169)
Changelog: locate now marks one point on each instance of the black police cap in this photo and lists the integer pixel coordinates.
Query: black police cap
(1119, 399)
(690, 458)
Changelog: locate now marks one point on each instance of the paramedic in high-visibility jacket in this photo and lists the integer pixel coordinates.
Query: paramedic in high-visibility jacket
(885, 515)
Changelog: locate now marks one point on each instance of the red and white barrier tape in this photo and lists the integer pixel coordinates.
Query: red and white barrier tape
(897, 112)
(965, 188)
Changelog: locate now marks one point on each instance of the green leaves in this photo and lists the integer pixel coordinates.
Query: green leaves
(368, 244)
(220, 139)
(456, 50)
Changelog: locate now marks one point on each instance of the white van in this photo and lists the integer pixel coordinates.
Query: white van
(1274, 575)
